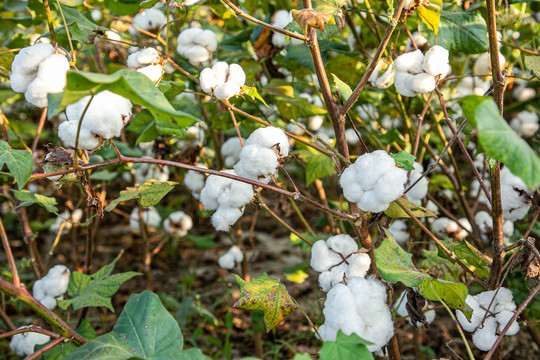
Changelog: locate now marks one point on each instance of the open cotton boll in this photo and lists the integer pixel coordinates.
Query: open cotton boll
(271, 138)
(482, 65)
(281, 19)
(359, 265)
(436, 61)
(50, 79)
(484, 338)
(151, 218)
(503, 318)
(178, 223)
(208, 80)
(476, 317)
(419, 191)
(237, 254)
(153, 72)
(514, 206)
(398, 228)
(23, 344)
(226, 261)
(222, 80)
(410, 62)
(342, 244)
(194, 181)
(423, 83)
(230, 150)
(106, 115)
(226, 91)
(67, 132)
(29, 58)
(403, 83)
(145, 57)
(196, 44)
(225, 217)
(213, 188)
(525, 123)
(419, 40)
(387, 78)
(322, 258)
(149, 19)
(52, 286)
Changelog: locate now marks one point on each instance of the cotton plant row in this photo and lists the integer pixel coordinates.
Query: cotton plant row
(354, 303)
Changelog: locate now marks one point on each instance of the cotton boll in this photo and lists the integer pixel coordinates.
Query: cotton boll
(398, 228)
(153, 72)
(208, 80)
(146, 171)
(226, 261)
(236, 253)
(419, 191)
(57, 280)
(29, 58)
(23, 344)
(505, 300)
(256, 162)
(230, 150)
(197, 54)
(484, 338)
(522, 93)
(67, 132)
(436, 61)
(403, 83)
(149, 19)
(410, 62)
(225, 217)
(322, 258)
(236, 74)
(371, 168)
(151, 218)
(387, 78)
(330, 278)
(476, 317)
(482, 65)
(359, 265)
(342, 244)
(525, 123)
(503, 318)
(227, 91)
(178, 223)
(351, 193)
(514, 205)
(207, 39)
(352, 138)
(271, 138)
(213, 188)
(196, 44)
(443, 227)
(237, 194)
(20, 82)
(281, 19)
(148, 56)
(221, 69)
(194, 181)
(390, 187)
(423, 83)
(419, 40)
(315, 122)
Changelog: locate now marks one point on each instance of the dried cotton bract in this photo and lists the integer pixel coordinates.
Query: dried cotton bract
(222, 80)
(401, 310)
(52, 286)
(197, 45)
(373, 181)
(147, 62)
(23, 344)
(37, 71)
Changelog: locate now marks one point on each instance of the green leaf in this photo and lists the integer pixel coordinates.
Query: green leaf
(144, 330)
(460, 31)
(96, 289)
(144, 125)
(60, 351)
(147, 4)
(252, 92)
(453, 294)
(328, 6)
(431, 14)
(346, 347)
(344, 89)
(396, 212)
(464, 252)
(404, 160)
(19, 162)
(499, 141)
(148, 194)
(318, 165)
(533, 63)
(268, 295)
(396, 265)
(80, 27)
(132, 85)
(28, 198)
(302, 357)
(444, 269)
(391, 136)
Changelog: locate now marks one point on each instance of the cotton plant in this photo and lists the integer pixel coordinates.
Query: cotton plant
(222, 80)
(525, 123)
(151, 219)
(197, 45)
(232, 257)
(178, 224)
(482, 64)
(152, 20)
(281, 19)
(262, 153)
(417, 73)
(37, 71)
(373, 181)
(400, 306)
(358, 307)
(514, 196)
(230, 150)
(492, 311)
(444, 227)
(103, 119)
(485, 223)
(23, 344)
(336, 258)
(148, 62)
(228, 197)
(52, 286)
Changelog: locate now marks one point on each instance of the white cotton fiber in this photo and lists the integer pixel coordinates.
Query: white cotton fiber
(230, 150)
(484, 338)
(149, 20)
(52, 286)
(342, 244)
(23, 344)
(514, 205)
(410, 62)
(322, 258)
(196, 44)
(436, 61)
(398, 228)
(178, 223)
(151, 218)
(222, 80)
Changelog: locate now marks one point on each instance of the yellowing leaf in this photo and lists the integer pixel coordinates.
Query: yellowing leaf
(430, 14)
(297, 277)
(267, 295)
(312, 18)
(148, 194)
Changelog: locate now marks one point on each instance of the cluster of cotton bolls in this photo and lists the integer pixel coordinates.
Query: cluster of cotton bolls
(151, 219)
(418, 191)
(401, 310)
(104, 119)
(196, 44)
(147, 62)
(52, 286)
(178, 223)
(492, 310)
(418, 73)
(37, 71)
(263, 151)
(485, 223)
(514, 192)
(66, 218)
(525, 123)
(360, 305)
(228, 197)
(387, 78)
(398, 228)
(23, 344)
(151, 20)
(194, 181)
(338, 257)
(281, 19)
(230, 150)
(233, 256)
(147, 171)
(223, 80)
(444, 227)
(373, 181)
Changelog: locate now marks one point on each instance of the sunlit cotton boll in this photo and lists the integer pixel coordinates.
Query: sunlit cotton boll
(281, 19)
(196, 44)
(23, 344)
(230, 150)
(151, 219)
(222, 80)
(419, 40)
(387, 78)
(149, 19)
(436, 61)
(147, 62)
(52, 286)
(178, 224)
(67, 132)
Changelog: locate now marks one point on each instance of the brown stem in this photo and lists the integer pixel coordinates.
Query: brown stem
(498, 236)
(41, 123)
(498, 79)
(147, 257)
(30, 241)
(9, 255)
(5, 318)
(30, 328)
